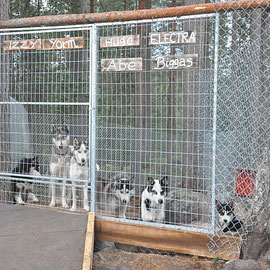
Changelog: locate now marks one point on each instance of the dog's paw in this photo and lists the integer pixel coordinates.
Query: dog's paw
(86, 208)
(65, 205)
(52, 204)
(73, 209)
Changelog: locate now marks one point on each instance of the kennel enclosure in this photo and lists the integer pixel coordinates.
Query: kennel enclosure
(182, 96)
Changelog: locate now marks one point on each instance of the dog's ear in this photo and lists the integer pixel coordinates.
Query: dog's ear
(53, 129)
(218, 205)
(230, 204)
(150, 181)
(164, 181)
(132, 180)
(65, 129)
(75, 142)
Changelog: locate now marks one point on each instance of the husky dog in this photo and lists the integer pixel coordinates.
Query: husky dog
(23, 190)
(227, 219)
(153, 200)
(115, 195)
(60, 160)
(79, 169)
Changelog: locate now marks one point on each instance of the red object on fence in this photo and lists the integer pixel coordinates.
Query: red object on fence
(244, 185)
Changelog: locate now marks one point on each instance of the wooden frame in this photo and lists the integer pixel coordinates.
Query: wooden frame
(172, 240)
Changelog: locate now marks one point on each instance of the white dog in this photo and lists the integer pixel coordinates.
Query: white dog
(60, 160)
(79, 169)
(153, 200)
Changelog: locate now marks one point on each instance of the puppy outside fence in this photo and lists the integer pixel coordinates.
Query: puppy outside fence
(170, 112)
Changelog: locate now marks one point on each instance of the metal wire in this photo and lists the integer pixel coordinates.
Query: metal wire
(203, 127)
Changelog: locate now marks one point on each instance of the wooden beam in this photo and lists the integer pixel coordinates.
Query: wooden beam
(186, 242)
(89, 243)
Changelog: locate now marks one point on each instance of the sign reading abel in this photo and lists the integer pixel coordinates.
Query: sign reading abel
(44, 44)
(181, 37)
(119, 41)
(175, 62)
(121, 64)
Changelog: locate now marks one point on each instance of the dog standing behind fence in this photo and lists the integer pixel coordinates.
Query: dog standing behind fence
(114, 195)
(153, 200)
(79, 169)
(60, 160)
(24, 190)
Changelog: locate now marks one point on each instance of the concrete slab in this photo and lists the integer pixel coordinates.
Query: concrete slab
(32, 239)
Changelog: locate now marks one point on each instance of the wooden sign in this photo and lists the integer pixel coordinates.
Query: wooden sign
(121, 64)
(181, 37)
(63, 43)
(45, 44)
(119, 41)
(29, 44)
(175, 62)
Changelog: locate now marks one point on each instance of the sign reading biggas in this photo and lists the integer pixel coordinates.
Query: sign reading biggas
(175, 62)
(180, 37)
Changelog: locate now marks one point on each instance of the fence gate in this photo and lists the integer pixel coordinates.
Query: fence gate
(49, 85)
(156, 107)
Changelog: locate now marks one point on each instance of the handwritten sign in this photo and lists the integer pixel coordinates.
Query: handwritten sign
(63, 43)
(175, 62)
(180, 37)
(29, 44)
(44, 44)
(121, 64)
(119, 41)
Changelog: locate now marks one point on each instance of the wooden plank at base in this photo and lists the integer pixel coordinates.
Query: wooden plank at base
(179, 241)
(89, 243)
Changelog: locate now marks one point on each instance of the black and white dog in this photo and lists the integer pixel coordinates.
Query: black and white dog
(60, 160)
(22, 190)
(79, 169)
(153, 200)
(115, 195)
(227, 219)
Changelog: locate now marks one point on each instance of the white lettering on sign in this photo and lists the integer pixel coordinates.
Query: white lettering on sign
(44, 44)
(180, 37)
(175, 62)
(121, 64)
(119, 41)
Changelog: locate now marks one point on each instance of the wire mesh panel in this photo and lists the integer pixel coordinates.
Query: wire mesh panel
(155, 101)
(49, 100)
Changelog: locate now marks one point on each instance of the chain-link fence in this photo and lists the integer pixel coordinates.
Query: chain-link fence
(174, 110)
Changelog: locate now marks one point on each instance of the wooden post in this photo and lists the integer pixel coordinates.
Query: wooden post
(89, 243)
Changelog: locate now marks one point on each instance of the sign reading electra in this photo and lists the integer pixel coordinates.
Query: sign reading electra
(175, 62)
(181, 37)
(119, 41)
(121, 64)
(45, 44)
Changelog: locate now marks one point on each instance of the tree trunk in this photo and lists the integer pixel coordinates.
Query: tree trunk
(258, 240)
(4, 110)
(190, 103)
(142, 98)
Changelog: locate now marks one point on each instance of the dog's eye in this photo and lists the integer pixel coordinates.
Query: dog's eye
(85, 151)
(154, 192)
(79, 152)
(121, 191)
(127, 191)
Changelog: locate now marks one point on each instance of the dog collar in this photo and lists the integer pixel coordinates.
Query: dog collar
(79, 162)
(62, 155)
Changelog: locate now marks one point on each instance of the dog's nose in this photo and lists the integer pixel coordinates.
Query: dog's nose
(83, 160)
(160, 201)
(124, 201)
(225, 220)
(60, 146)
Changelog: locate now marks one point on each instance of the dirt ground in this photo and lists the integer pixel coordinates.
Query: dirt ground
(115, 259)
